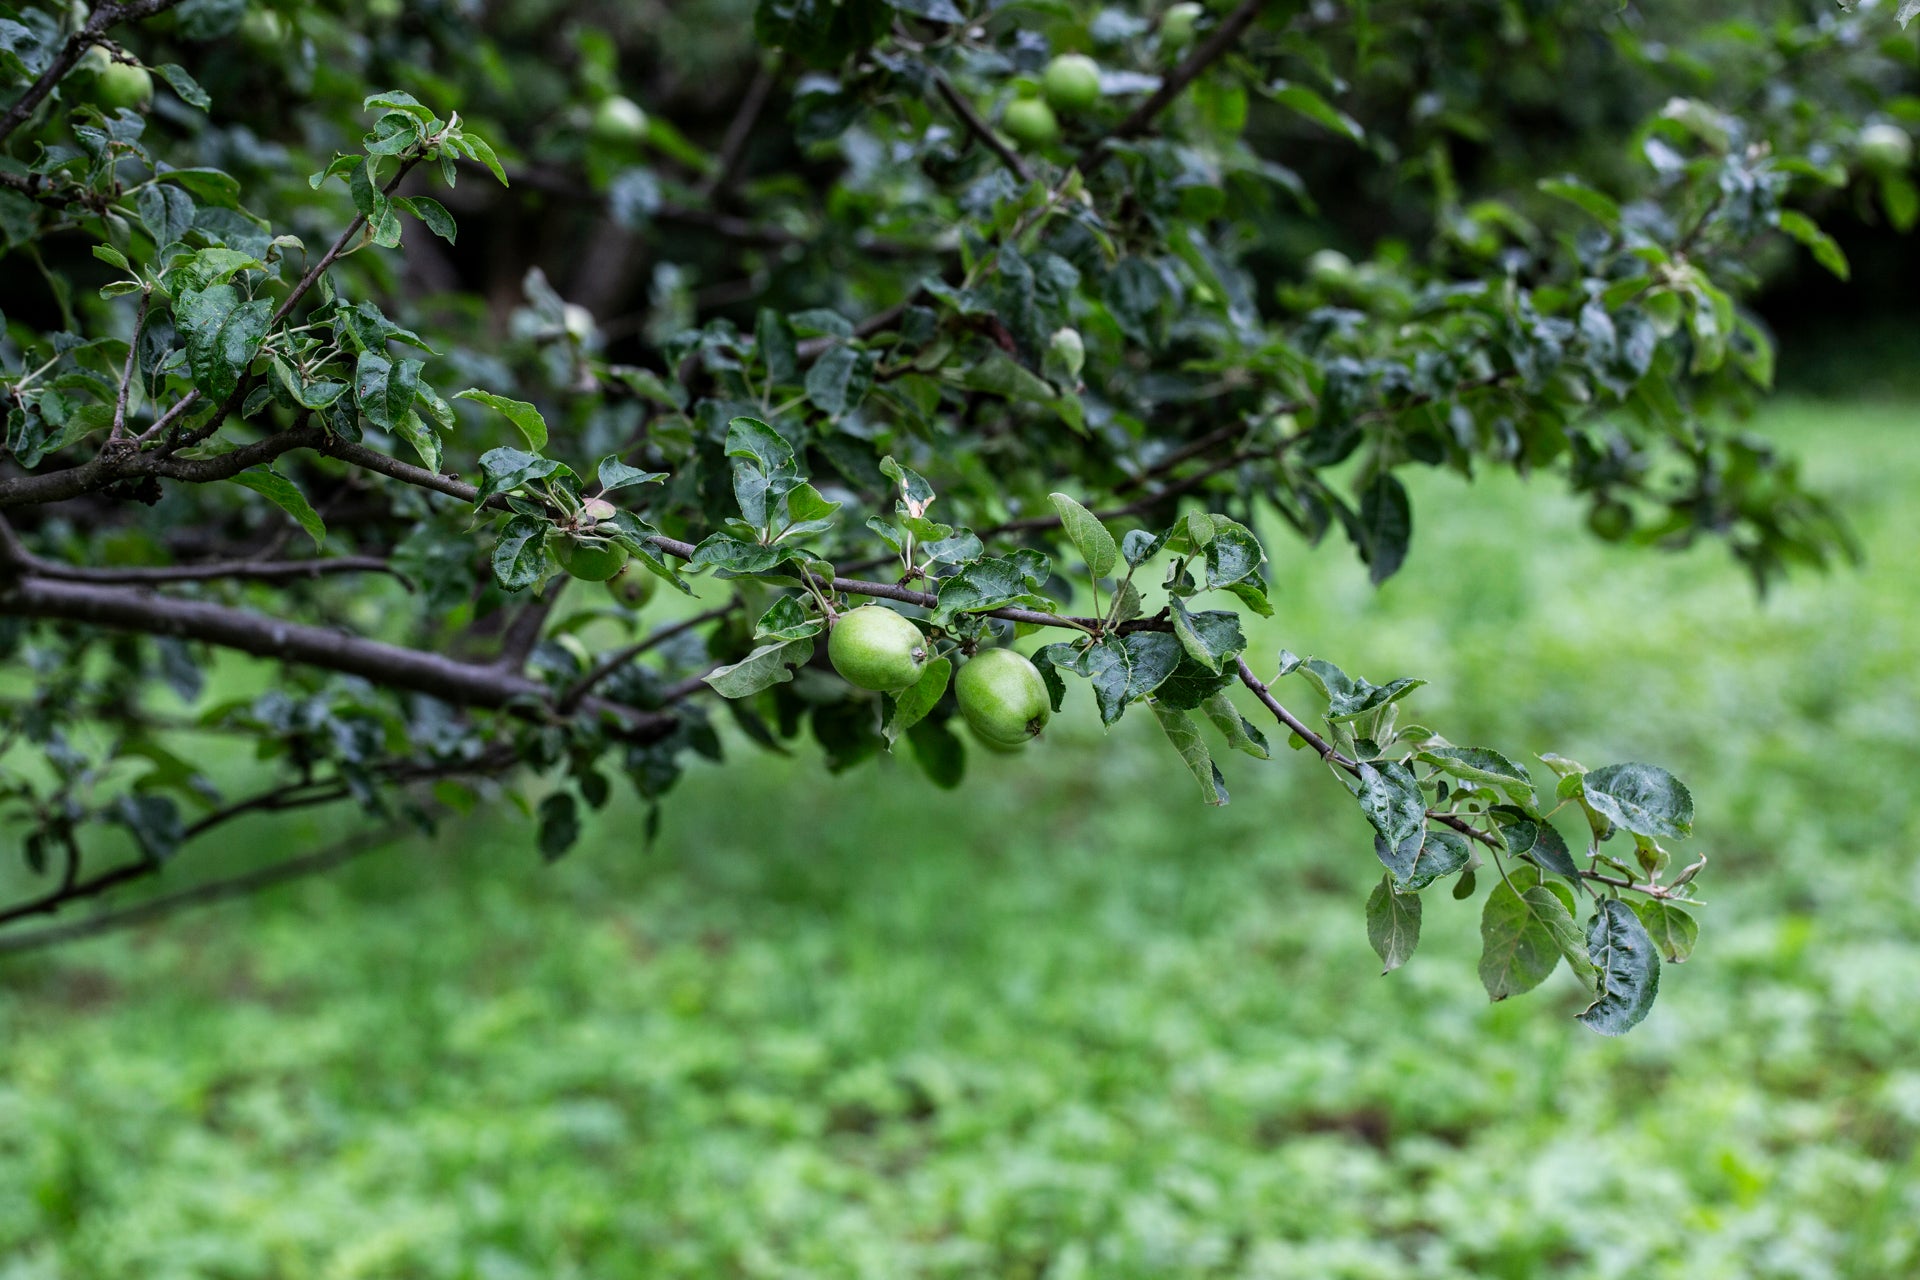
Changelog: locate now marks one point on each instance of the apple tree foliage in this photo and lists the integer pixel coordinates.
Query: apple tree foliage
(336, 347)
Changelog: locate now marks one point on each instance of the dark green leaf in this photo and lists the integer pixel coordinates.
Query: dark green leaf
(521, 414)
(1393, 924)
(1090, 538)
(1642, 798)
(283, 493)
(1672, 929)
(559, 825)
(1127, 668)
(1184, 734)
(1211, 638)
(1391, 800)
(1627, 965)
(765, 667)
(1522, 932)
(519, 558)
(222, 333)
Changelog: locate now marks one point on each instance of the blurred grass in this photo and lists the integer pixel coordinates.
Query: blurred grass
(1065, 1021)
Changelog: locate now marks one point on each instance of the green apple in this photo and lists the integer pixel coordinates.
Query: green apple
(120, 85)
(633, 586)
(1002, 697)
(1611, 520)
(619, 121)
(1176, 25)
(1330, 267)
(1886, 146)
(589, 559)
(1071, 82)
(998, 748)
(1030, 122)
(585, 548)
(1069, 349)
(873, 647)
(263, 28)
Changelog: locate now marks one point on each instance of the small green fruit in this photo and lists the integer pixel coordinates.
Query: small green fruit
(873, 647)
(1176, 25)
(589, 559)
(1071, 82)
(633, 586)
(1886, 146)
(1611, 520)
(263, 28)
(1003, 697)
(1030, 122)
(1330, 267)
(122, 86)
(586, 548)
(998, 748)
(1070, 350)
(619, 120)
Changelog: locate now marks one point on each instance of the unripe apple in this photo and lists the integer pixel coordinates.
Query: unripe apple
(120, 85)
(633, 586)
(263, 28)
(1071, 82)
(586, 548)
(1330, 267)
(1886, 146)
(873, 647)
(1070, 350)
(1030, 122)
(998, 748)
(1611, 520)
(619, 121)
(1176, 25)
(1002, 697)
(589, 559)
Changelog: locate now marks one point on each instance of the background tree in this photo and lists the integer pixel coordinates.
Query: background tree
(1017, 321)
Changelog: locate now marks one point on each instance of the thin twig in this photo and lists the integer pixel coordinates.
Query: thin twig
(215, 570)
(621, 657)
(1224, 37)
(334, 855)
(523, 632)
(280, 313)
(980, 128)
(126, 374)
(103, 18)
(733, 146)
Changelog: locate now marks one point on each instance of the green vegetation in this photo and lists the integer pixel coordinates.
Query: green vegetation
(1065, 1023)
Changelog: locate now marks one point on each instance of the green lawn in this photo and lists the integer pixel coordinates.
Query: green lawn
(1066, 1021)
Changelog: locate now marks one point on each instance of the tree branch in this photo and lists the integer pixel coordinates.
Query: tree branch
(103, 18)
(621, 657)
(392, 666)
(281, 312)
(1224, 37)
(733, 146)
(980, 128)
(213, 570)
(126, 374)
(335, 855)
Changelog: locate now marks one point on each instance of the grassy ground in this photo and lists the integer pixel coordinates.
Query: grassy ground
(1066, 1022)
